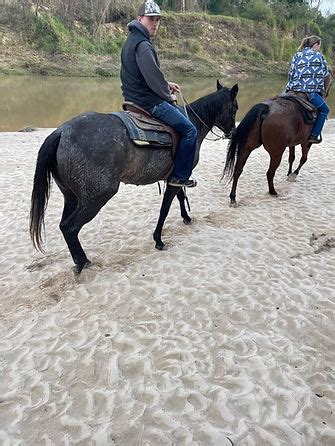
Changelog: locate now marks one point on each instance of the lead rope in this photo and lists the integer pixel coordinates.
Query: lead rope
(185, 102)
(186, 199)
(218, 137)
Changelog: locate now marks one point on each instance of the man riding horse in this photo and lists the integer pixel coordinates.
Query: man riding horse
(144, 84)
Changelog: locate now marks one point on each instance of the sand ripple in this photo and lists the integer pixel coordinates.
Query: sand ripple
(225, 338)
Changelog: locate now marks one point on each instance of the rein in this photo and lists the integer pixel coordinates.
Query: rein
(185, 102)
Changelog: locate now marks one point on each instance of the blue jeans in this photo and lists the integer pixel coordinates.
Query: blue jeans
(323, 111)
(171, 116)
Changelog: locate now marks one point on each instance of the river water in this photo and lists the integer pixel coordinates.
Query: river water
(39, 101)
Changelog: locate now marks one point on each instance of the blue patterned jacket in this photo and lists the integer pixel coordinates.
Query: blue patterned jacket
(307, 72)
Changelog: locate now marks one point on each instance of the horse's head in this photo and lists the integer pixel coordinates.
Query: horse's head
(225, 119)
(216, 109)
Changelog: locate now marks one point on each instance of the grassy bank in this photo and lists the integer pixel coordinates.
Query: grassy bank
(194, 44)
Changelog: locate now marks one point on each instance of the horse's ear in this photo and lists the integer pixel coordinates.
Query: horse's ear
(218, 85)
(234, 91)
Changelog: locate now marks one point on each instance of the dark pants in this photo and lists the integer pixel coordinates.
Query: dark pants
(171, 116)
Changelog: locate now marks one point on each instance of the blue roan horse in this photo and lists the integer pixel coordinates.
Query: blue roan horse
(90, 155)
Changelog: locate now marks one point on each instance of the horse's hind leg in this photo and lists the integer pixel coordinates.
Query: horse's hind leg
(70, 204)
(75, 215)
(242, 159)
(274, 163)
(70, 228)
(170, 193)
(182, 197)
(291, 159)
(305, 149)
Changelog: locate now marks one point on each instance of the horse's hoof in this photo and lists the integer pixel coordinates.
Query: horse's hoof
(87, 264)
(273, 193)
(187, 220)
(160, 246)
(292, 177)
(233, 204)
(77, 269)
(80, 266)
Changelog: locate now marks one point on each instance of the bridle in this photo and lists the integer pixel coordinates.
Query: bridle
(218, 137)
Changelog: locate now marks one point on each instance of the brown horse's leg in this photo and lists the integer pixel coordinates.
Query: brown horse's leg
(274, 163)
(304, 149)
(170, 193)
(242, 159)
(182, 197)
(291, 159)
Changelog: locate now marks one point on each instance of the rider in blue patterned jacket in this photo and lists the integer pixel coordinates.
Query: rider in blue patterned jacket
(308, 72)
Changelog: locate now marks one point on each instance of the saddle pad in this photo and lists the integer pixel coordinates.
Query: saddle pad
(144, 131)
(308, 111)
(301, 101)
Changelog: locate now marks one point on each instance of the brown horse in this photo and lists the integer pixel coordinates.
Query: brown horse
(276, 124)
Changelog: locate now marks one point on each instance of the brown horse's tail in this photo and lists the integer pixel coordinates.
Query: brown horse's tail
(46, 161)
(238, 141)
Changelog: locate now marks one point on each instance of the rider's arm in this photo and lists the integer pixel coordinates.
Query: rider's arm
(151, 72)
(326, 75)
(326, 83)
(292, 68)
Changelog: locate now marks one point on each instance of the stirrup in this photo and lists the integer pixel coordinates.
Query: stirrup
(182, 183)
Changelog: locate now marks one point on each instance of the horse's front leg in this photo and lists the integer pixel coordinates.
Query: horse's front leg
(183, 212)
(170, 193)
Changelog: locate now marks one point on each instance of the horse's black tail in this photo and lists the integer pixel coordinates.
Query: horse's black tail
(237, 143)
(46, 160)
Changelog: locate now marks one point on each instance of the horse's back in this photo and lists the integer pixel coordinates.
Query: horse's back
(99, 126)
(98, 144)
(284, 124)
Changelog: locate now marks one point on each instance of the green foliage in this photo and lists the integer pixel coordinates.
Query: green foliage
(112, 45)
(259, 11)
(246, 54)
(314, 29)
(327, 27)
(258, 35)
(289, 47)
(192, 46)
(51, 34)
(197, 29)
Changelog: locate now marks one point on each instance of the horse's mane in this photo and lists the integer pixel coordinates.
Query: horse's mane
(210, 104)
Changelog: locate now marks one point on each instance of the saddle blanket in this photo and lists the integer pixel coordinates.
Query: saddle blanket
(308, 111)
(145, 132)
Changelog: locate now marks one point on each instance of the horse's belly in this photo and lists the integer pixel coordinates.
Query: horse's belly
(147, 166)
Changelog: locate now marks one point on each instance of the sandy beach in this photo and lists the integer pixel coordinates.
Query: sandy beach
(226, 338)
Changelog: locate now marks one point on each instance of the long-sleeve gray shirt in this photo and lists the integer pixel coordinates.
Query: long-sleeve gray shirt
(151, 72)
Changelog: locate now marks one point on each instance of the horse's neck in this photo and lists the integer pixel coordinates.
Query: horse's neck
(202, 133)
(202, 123)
